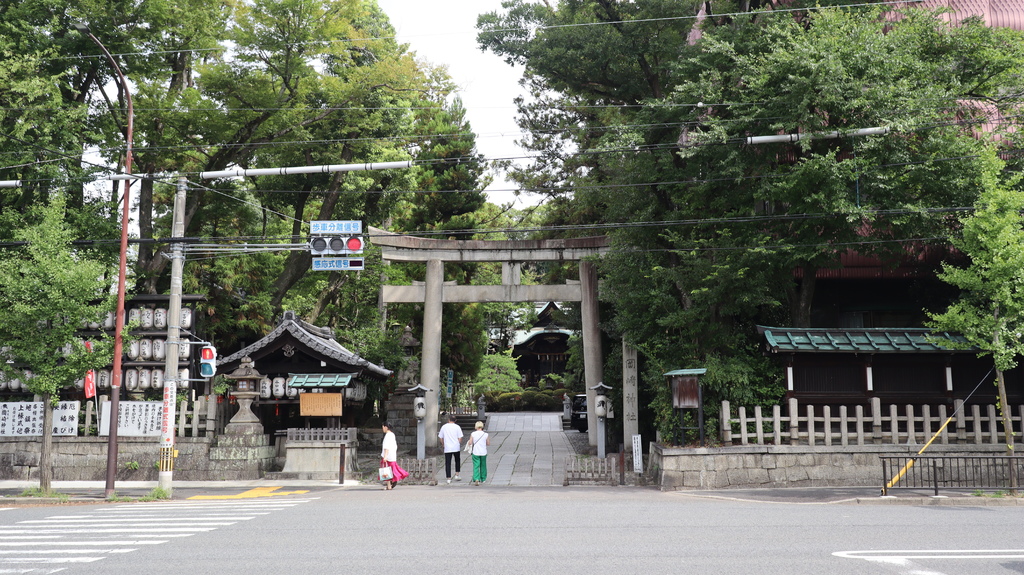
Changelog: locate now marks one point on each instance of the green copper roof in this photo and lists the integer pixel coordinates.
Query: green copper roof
(700, 371)
(837, 340)
(320, 380)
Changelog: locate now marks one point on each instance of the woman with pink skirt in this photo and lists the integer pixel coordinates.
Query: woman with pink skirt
(389, 457)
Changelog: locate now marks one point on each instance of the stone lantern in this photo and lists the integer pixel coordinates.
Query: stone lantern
(247, 382)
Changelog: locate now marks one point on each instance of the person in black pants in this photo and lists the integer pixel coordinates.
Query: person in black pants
(451, 436)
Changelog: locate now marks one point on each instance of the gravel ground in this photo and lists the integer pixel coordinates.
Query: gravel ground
(580, 442)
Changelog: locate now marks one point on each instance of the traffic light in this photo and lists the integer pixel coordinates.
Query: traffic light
(208, 361)
(336, 245)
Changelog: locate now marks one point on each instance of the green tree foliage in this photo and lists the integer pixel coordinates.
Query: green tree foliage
(640, 125)
(48, 290)
(498, 374)
(990, 311)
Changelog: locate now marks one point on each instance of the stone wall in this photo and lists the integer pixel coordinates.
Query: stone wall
(85, 458)
(771, 466)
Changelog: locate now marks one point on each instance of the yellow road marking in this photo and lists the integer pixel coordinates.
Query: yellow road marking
(252, 493)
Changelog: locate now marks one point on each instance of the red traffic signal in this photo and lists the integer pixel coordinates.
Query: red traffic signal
(336, 245)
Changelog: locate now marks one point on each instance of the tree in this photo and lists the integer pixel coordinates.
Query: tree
(48, 290)
(498, 374)
(641, 127)
(990, 311)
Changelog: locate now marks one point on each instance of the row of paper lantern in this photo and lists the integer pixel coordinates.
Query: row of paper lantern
(146, 318)
(153, 350)
(137, 379)
(278, 387)
(13, 384)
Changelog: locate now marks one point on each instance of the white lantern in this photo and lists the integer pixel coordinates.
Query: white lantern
(159, 350)
(103, 379)
(147, 318)
(145, 378)
(266, 388)
(3, 382)
(158, 379)
(135, 316)
(186, 317)
(133, 349)
(279, 386)
(183, 379)
(160, 318)
(108, 322)
(145, 349)
(131, 379)
(183, 350)
(291, 392)
(14, 384)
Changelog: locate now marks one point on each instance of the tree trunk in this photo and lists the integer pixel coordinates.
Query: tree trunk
(804, 297)
(1004, 412)
(46, 449)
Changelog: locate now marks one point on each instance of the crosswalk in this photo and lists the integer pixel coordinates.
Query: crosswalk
(56, 543)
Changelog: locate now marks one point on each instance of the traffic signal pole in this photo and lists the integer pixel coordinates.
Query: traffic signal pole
(171, 374)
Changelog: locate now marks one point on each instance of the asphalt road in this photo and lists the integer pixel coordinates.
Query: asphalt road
(536, 530)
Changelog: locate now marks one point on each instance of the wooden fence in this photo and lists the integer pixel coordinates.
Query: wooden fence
(971, 424)
(590, 470)
(200, 421)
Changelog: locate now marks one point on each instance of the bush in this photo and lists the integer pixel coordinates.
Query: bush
(509, 401)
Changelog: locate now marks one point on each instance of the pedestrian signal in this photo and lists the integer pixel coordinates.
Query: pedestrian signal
(208, 361)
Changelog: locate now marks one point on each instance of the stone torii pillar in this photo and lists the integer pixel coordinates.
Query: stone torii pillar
(434, 292)
(430, 364)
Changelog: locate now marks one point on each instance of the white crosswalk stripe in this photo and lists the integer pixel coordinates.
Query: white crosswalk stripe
(58, 542)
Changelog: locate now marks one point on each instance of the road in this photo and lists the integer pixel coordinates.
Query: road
(488, 529)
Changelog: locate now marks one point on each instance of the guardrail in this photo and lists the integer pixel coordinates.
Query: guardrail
(951, 472)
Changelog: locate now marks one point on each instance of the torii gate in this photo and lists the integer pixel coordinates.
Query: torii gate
(511, 253)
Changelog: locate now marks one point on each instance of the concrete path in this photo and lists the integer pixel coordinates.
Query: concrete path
(527, 448)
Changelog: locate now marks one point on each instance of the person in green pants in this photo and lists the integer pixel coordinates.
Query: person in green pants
(478, 442)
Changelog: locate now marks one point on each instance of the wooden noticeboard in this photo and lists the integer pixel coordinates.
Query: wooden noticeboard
(685, 392)
(320, 404)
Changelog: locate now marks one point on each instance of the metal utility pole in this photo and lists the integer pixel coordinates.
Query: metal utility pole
(115, 379)
(167, 451)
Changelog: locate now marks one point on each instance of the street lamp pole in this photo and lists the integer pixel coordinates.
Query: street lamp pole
(115, 380)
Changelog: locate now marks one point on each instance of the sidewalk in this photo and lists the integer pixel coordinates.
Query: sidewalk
(527, 449)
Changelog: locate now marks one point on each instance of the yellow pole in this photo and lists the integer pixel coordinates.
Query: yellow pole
(910, 463)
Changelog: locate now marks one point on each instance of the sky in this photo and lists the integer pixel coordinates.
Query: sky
(443, 32)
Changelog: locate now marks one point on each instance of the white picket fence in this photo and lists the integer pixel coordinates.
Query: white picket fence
(907, 425)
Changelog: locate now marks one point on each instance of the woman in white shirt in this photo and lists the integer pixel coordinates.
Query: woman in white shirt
(478, 442)
(389, 457)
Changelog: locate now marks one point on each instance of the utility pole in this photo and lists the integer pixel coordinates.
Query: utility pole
(171, 376)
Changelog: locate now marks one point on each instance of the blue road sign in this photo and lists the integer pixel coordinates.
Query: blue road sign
(335, 264)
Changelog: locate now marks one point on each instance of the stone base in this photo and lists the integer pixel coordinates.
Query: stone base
(243, 429)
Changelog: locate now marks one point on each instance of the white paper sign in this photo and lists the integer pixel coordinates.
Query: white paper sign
(135, 419)
(21, 418)
(638, 455)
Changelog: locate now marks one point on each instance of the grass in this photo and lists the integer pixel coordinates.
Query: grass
(36, 492)
(995, 494)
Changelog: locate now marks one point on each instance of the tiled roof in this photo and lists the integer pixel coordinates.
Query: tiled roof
(838, 340)
(318, 339)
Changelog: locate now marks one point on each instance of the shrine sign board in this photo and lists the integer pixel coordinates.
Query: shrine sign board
(21, 418)
(134, 418)
(320, 404)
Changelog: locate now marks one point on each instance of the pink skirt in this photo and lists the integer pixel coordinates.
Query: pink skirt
(397, 470)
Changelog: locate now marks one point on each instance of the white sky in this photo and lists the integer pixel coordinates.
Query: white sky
(443, 32)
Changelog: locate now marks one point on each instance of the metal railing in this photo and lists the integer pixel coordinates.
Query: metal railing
(951, 472)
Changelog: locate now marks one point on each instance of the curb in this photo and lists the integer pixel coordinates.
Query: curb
(942, 501)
